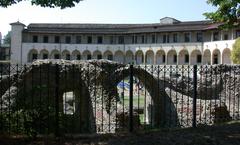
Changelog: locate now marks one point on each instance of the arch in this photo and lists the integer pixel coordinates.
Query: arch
(32, 55)
(76, 55)
(196, 57)
(108, 55)
(44, 54)
(97, 54)
(161, 103)
(55, 54)
(129, 57)
(216, 56)
(160, 57)
(66, 55)
(139, 57)
(119, 56)
(172, 57)
(183, 57)
(206, 56)
(149, 57)
(86, 55)
(226, 56)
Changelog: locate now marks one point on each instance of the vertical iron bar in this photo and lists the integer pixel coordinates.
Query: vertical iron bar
(57, 100)
(131, 100)
(194, 95)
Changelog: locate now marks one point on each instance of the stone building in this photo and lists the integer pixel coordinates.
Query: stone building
(168, 42)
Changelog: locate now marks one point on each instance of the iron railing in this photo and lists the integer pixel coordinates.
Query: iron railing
(105, 97)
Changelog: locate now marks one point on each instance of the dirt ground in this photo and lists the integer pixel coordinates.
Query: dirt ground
(215, 135)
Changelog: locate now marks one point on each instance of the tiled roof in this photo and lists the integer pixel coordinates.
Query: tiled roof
(117, 28)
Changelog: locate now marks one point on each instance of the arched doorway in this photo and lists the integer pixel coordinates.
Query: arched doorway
(97, 54)
(183, 57)
(129, 57)
(66, 55)
(196, 57)
(160, 57)
(76, 55)
(32, 55)
(44, 54)
(216, 56)
(139, 57)
(55, 54)
(119, 56)
(87, 55)
(149, 57)
(226, 56)
(172, 57)
(206, 57)
(108, 55)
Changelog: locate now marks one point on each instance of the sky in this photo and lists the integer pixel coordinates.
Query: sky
(105, 11)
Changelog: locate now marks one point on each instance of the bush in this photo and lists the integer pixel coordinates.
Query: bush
(235, 55)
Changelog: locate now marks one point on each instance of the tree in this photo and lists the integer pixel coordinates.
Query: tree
(228, 12)
(43, 3)
(7, 38)
(235, 54)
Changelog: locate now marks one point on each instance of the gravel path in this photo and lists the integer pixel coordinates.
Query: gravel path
(217, 135)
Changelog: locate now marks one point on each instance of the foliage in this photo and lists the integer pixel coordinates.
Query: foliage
(228, 12)
(43, 3)
(7, 38)
(235, 55)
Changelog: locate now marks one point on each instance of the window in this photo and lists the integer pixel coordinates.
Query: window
(186, 58)
(68, 39)
(199, 58)
(78, 57)
(35, 39)
(111, 40)
(99, 39)
(89, 39)
(121, 40)
(57, 39)
(153, 39)
(89, 57)
(99, 56)
(164, 59)
(56, 56)
(199, 37)
(237, 33)
(165, 38)
(187, 37)
(67, 56)
(78, 39)
(225, 37)
(45, 56)
(175, 37)
(174, 58)
(135, 40)
(45, 39)
(215, 36)
(143, 38)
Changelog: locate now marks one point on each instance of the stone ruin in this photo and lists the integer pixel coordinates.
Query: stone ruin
(94, 84)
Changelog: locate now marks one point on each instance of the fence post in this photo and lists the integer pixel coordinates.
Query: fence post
(194, 96)
(57, 100)
(131, 100)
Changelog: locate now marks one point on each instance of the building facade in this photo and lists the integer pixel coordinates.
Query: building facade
(168, 42)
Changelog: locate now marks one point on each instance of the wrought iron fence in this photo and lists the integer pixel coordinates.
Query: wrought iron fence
(55, 97)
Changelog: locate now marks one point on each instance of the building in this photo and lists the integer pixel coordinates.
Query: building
(168, 42)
